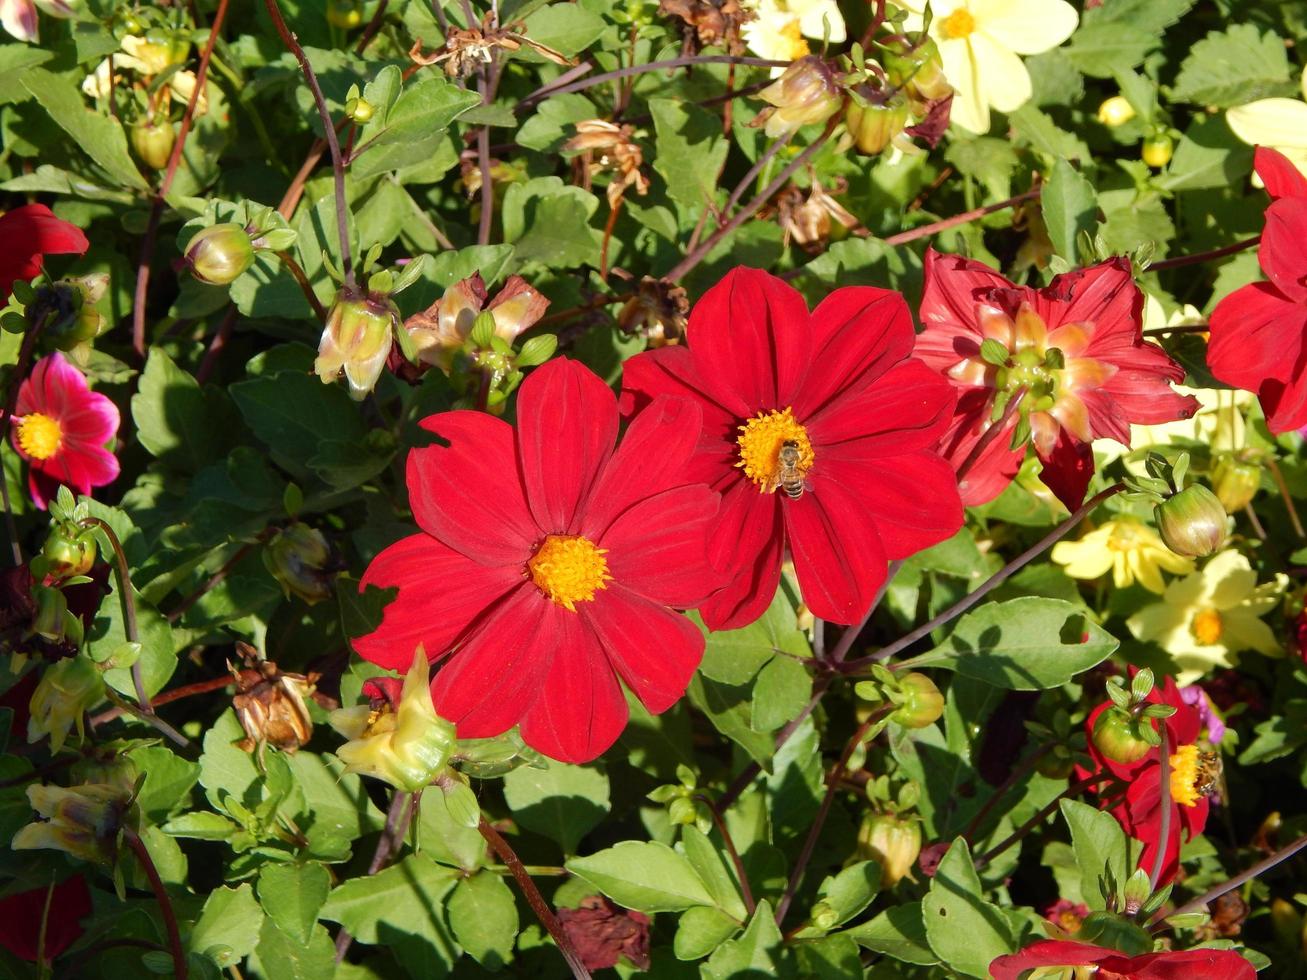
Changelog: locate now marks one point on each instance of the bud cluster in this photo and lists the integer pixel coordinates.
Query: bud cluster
(684, 804)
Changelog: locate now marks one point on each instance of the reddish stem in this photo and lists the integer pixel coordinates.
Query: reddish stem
(165, 903)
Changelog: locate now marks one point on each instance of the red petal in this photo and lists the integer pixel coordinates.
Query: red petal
(1256, 333)
(750, 339)
(859, 333)
(581, 709)
(470, 495)
(654, 650)
(1104, 295)
(988, 474)
(1192, 964)
(913, 499)
(659, 547)
(909, 408)
(1283, 252)
(566, 431)
(948, 301)
(21, 916)
(747, 545)
(1047, 952)
(671, 371)
(1282, 178)
(1068, 470)
(441, 593)
(26, 234)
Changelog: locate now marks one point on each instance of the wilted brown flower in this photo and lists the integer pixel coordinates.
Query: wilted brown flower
(270, 704)
(807, 220)
(1228, 915)
(467, 50)
(709, 23)
(659, 311)
(606, 146)
(603, 933)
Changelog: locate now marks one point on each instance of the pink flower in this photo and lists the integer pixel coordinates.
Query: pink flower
(61, 428)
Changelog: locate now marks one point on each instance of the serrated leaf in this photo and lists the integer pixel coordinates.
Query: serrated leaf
(293, 895)
(100, 136)
(1234, 67)
(399, 899)
(752, 954)
(561, 802)
(182, 425)
(1114, 36)
(414, 126)
(1069, 205)
(898, 932)
(483, 914)
(690, 152)
(228, 927)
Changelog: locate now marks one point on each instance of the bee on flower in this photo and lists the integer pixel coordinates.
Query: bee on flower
(1126, 547)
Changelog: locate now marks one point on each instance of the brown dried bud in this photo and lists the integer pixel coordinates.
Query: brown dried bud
(270, 704)
(659, 310)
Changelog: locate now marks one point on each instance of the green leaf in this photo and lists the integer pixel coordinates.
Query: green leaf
(780, 692)
(15, 62)
(643, 875)
(730, 709)
(202, 825)
(283, 958)
(168, 780)
(1118, 35)
(690, 152)
(98, 135)
(293, 414)
(483, 914)
(549, 221)
(182, 425)
(1039, 131)
(898, 932)
(1102, 851)
(1026, 644)
(965, 931)
(404, 898)
(293, 895)
(1070, 207)
(561, 802)
(566, 27)
(752, 954)
(852, 890)
(1234, 67)
(701, 930)
(711, 869)
(158, 659)
(1207, 156)
(228, 928)
(735, 656)
(550, 126)
(414, 126)
(445, 839)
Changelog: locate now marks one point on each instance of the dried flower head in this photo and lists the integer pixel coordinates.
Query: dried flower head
(270, 704)
(608, 147)
(807, 220)
(659, 311)
(467, 50)
(709, 23)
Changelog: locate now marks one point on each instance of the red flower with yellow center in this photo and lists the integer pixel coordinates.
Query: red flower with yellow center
(550, 563)
(61, 428)
(819, 433)
(1075, 348)
(1042, 959)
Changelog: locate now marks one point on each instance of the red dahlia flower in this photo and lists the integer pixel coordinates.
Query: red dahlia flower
(61, 427)
(826, 407)
(1259, 332)
(29, 233)
(22, 915)
(1111, 964)
(1135, 799)
(550, 564)
(1075, 346)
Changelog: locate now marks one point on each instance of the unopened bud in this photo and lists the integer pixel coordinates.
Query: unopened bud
(69, 551)
(1117, 735)
(1157, 150)
(300, 558)
(359, 109)
(1192, 522)
(919, 701)
(824, 916)
(1115, 111)
(218, 254)
(357, 341)
(918, 69)
(153, 142)
(805, 94)
(83, 821)
(345, 14)
(873, 123)
(1236, 481)
(891, 841)
(681, 810)
(67, 308)
(67, 690)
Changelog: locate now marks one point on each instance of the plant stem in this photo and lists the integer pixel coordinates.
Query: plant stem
(1164, 787)
(167, 697)
(129, 605)
(174, 161)
(1212, 894)
(398, 818)
(161, 896)
(209, 583)
(554, 88)
(485, 223)
(851, 633)
(755, 170)
(993, 582)
(745, 891)
(1197, 257)
(1018, 773)
(297, 273)
(150, 718)
(1278, 474)
(925, 231)
(1075, 789)
(217, 345)
(328, 131)
(533, 897)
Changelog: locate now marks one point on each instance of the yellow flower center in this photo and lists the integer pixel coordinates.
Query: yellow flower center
(1124, 537)
(1185, 773)
(569, 569)
(960, 23)
(763, 439)
(39, 436)
(1206, 626)
(797, 47)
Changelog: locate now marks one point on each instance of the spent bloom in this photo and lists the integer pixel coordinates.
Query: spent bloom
(61, 428)
(1044, 958)
(1126, 547)
(551, 576)
(67, 690)
(1075, 347)
(356, 341)
(442, 329)
(779, 28)
(806, 93)
(981, 42)
(83, 821)
(819, 433)
(1206, 618)
(1279, 123)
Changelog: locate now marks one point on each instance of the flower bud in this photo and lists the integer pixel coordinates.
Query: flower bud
(301, 559)
(359, 109)
(68, 309)
(218, 254)
(345, 14)
(401, 741)
(918, 69)
(805, 94)
(1116, 111)
(873, 123)
(1191, 522)
(1157, 150)
(83, 821)
(357, 340)
(1236, 481)
(51, 617)
(919, 701)
(157, 52)
(891, 841)
(681, 810)
(153, 142)
(69, 550)
(824, 916)
(1117, 735)
(67, 690)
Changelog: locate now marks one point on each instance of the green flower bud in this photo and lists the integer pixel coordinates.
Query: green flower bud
(357, 340)
(153, 142)
(70, 551)
(1192, 522)
(83, 821)
(300, 558)
(359, 109)
(1117, 735)
(1116, 111)
(873, 123)
(919, 700)
(891, 841)
(824, 916)
(1157, 150)
(68, 309)
(918, 68)
(681, 810)
(805, 94)
(218, 254)
(1236, 481)
(67, 690)
(345, 14)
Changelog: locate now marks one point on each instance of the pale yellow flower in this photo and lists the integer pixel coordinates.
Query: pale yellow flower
(981, 42)
(1210, 616)
(1278, 123)
(779, 27)
(1128, 548)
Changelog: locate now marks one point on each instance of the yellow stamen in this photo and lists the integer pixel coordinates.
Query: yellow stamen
(960, 23)
(1125, 536)
(760, 441)
(790, 34)
(569, 569)
(1184, 776)
(39, 436)
(1206, 626)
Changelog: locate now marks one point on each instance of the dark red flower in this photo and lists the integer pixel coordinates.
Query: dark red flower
(1134, 798)
(838, 389)
(549, 564)
(1066, 914)
(1189, 964)
(602, 933)
(21, 916)
(1259, 332)
(61, 428)
(29, 233)
(1075, 346)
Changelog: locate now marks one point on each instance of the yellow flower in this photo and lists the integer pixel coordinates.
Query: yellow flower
(779, 27)
(1278, 123)
(981, 41)
(1128, 548)
(1211, 615)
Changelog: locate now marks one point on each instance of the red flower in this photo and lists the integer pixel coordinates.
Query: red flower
(1075, 346)
(29, 233)
(21, 916)
(1189, 964)
(61, 428)
(1258, 332)
(1135, 800)
(837, 389)
(547, 563)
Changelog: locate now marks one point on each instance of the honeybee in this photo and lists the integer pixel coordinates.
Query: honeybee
(788, 477)
(1209, 775)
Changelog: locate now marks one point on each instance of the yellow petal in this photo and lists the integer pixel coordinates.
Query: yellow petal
(1270, 122)
(1005, 81)
(970, 110)
(1229, 578)
(1025, 26)
(1242, 630)
(818, 17)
